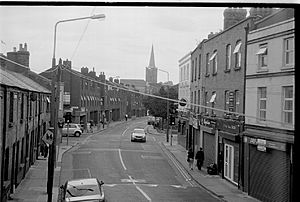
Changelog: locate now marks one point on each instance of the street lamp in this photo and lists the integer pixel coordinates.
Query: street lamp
(167, 135)
(55, 106)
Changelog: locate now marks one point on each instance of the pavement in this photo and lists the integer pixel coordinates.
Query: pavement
(33, 188)
(214, 184)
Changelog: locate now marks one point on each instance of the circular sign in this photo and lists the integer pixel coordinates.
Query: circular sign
(182, 102)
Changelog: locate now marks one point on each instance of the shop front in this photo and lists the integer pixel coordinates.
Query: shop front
(193, 137)
(268, 162)
(228, 159)
(207, 134)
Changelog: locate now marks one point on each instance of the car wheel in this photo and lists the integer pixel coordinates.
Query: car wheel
(77, 134)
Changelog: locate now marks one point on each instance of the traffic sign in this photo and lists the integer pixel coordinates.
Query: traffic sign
(48, 137)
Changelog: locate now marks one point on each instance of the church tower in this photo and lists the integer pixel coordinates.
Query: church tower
(151, 70)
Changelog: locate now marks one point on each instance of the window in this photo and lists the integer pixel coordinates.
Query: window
(195, 101)
(11, 107)
(228, 57)
(199, 71)
(213, 58)
(192, 99)
(289, 51)
(237, 55)
(262, 103)
(192, 71)
(195, 69)
(205, 101)
(262, 56)
(188, 71)
(207, 64)
(237, 100)
(288, 104)
(226, 99)
(198, 101)
(212, 101)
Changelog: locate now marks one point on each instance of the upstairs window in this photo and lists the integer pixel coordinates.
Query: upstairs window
(237, 100)
(289, 51)
(262, 103)
(262, 54)
(199, 71)
(213, 60)
(226, 99)
(192, 71)
(207, 64)
(11, 107)
(288, 103)
(237, 55)
(228, 57)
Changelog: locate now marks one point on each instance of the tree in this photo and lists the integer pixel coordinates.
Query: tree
(157, 106)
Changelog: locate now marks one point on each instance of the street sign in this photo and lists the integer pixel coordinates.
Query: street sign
(48, 137)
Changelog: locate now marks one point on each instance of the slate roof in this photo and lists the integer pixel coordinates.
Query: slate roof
(14, 79)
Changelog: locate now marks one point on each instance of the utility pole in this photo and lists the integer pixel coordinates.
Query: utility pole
(54, 125)
(168, 114)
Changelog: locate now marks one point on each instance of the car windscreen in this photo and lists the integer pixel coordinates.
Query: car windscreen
(81, 190)
(139, 131)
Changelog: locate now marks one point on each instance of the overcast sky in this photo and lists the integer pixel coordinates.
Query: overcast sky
(119, 45)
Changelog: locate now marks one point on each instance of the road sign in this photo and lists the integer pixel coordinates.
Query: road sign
(48, 137)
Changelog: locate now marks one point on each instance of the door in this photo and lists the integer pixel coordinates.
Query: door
(228, 161)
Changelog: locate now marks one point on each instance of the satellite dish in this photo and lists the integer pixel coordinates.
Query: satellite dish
(182, 102)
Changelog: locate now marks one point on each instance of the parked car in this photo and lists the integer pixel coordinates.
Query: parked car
(74, 129)
(88, 189)
(138, 135)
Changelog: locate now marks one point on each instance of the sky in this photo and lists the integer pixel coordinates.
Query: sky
(119, 45)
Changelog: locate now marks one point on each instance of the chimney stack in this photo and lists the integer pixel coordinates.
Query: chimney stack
(232, 16)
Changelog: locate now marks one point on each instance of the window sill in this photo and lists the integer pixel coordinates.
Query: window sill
(206, 75)
(227, 70)
(214, 74)
(261, 70)
(237, 68)
(285, 68)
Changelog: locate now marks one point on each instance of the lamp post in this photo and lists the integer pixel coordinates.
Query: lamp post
(167, 135)
(55, 98)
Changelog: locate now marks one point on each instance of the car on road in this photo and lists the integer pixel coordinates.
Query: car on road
(138, 135)
(74, 129)
(86, 189)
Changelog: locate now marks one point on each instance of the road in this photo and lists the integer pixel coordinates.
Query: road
(131, 171)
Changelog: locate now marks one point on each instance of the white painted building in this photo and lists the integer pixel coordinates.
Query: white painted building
(184, 81)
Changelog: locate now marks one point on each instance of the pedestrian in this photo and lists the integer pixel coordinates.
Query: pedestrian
(200, 158)
(126, 117)
(46, 150)
(190, 158)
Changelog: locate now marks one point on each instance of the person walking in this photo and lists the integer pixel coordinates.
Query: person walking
(200, 158)
(126, 117)
(190, 158)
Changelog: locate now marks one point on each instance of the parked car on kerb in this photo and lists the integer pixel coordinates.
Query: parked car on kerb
(88, 189)
(74, 129)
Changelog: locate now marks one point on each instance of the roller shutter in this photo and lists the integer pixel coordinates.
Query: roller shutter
(208, 148)
(269, 175)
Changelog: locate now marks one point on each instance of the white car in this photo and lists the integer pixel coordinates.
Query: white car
(138, 135)
(74, 129)
(88, 189)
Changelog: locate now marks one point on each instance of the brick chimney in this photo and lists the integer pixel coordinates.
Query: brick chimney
(68, 64)
(21, 57)
(232, 16)
(260, 13)
(84, 70)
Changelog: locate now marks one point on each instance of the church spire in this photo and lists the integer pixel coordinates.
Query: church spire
(152, 62)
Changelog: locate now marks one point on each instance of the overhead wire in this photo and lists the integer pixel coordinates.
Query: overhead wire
(151, 95)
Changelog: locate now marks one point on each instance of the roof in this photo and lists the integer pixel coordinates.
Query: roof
(86, 181)
(136, 82)
(14, 79)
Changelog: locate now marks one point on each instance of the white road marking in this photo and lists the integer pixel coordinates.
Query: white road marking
(140, 190)
(125, 131)
(181, 170)
(137, 180)
(122, 160)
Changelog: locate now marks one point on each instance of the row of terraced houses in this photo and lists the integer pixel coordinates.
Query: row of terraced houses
(25, 102)
(239, 86)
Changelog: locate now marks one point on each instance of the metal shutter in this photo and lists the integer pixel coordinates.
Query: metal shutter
(208, 148)
(269, 175)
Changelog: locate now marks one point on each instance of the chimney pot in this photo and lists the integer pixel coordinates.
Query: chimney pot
(20, 47)
(25, 47)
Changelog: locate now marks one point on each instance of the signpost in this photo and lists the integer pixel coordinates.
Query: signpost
(48, 137)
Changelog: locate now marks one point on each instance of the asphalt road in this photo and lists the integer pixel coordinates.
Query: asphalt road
(131, 171)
